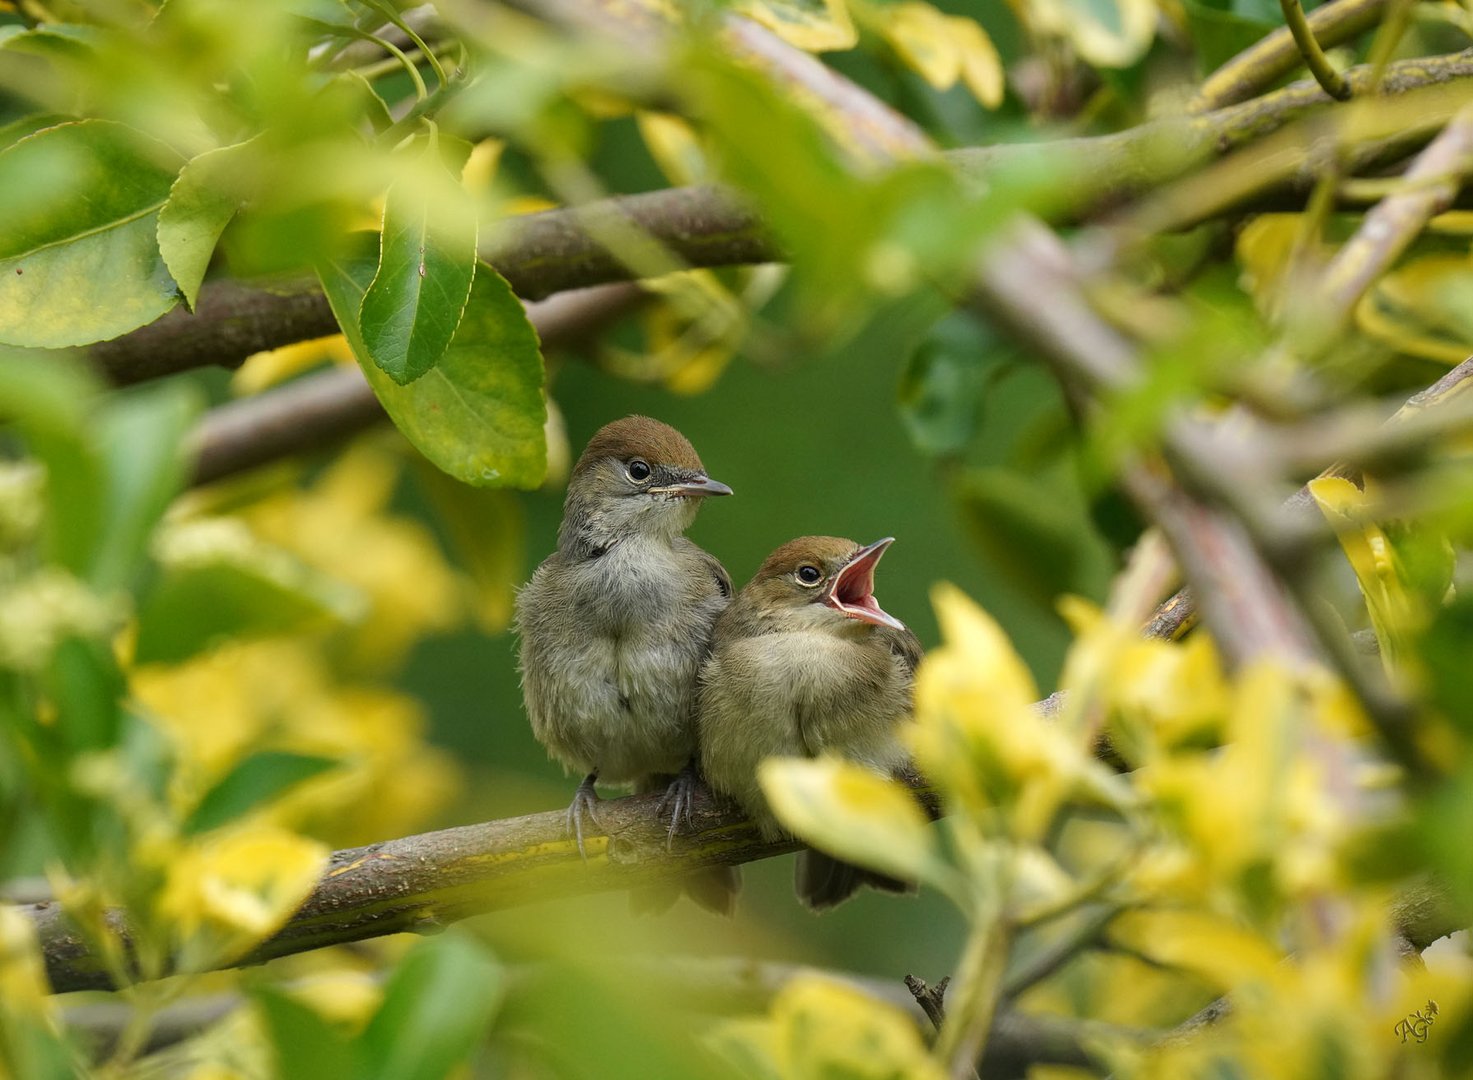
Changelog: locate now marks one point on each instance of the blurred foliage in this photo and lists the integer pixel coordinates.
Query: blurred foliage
(203, 692)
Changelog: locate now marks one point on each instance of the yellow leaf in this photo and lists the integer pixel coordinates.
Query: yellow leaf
(346, 998)
(1377, 569)
(814, 25)
(1175, 690)
(982, 70)
(825, 1028)
(977, 734)
(992, 662)
(941, 48)
(229, 891)
(1265, 251)
(673, 143)
(267, 369)
(1421, 308)
(1116, 37)
(853, 814)
(480, 167)
(24, 990)
(923, 37)
(1209, 946)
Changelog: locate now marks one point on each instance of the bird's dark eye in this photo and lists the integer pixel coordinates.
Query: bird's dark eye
(638, 470)
(809, 575)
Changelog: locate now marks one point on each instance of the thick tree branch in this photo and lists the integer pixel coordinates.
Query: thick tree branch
(538, 254)
(425, 882)
(320, 409)
(697, 985)
(541, 254)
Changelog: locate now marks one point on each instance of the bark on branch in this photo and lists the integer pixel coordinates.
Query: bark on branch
(320, 409)
(541, 254)
(422, 883)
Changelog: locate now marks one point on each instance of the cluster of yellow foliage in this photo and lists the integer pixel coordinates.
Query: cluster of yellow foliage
(203, 896)
(1225, 867)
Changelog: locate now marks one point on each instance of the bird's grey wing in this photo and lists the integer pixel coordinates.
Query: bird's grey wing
(710, 562)
(905, 645)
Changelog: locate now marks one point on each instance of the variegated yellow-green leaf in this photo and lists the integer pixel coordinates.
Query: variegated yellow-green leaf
(206, 195)
(1371, 556)
(851, 813)
(827, 1029)
(941, 48)
(79, 259)
(1209, 945)
(1422, 308)
(921, 35)
(1107, 33)
(814, 25)
(228, 891)
(982, 70)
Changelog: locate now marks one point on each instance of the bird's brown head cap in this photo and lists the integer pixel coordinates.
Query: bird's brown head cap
(640, 437)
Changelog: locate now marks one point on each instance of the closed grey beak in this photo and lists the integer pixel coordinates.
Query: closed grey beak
(700, 487)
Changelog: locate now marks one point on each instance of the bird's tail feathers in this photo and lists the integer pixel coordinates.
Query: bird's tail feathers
(823, 882)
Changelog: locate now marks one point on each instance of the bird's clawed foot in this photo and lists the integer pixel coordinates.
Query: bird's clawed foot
(679, 801)
(581, 808)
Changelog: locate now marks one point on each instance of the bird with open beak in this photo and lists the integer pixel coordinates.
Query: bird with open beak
(616, 622)
(805, 662)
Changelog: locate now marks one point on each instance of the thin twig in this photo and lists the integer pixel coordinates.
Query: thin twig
(1389, 229)
(931, 999)
(1049, 960)
(1314, 57)
(1275, 55)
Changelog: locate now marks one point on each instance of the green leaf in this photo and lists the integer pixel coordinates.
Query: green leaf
(84, 683)
(219, 582)
(479, 414)
(16, 130)
(944, 384)
(487, 531)
(307, 1046)
(209, 191)
(416, 299)
(1031, 529)
(109, 477)
(50, 398)
(1220, 35)
(255, 780)
(141, 443)
(434, 1011)
(427, 262)
(79, 261)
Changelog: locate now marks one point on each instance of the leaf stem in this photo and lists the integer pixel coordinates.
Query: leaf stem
(1315, 59)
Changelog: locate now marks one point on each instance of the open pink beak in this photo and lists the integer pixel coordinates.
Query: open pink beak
(853, 590)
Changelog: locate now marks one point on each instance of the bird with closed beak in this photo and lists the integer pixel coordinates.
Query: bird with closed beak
(805, 663)
(616, 622)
